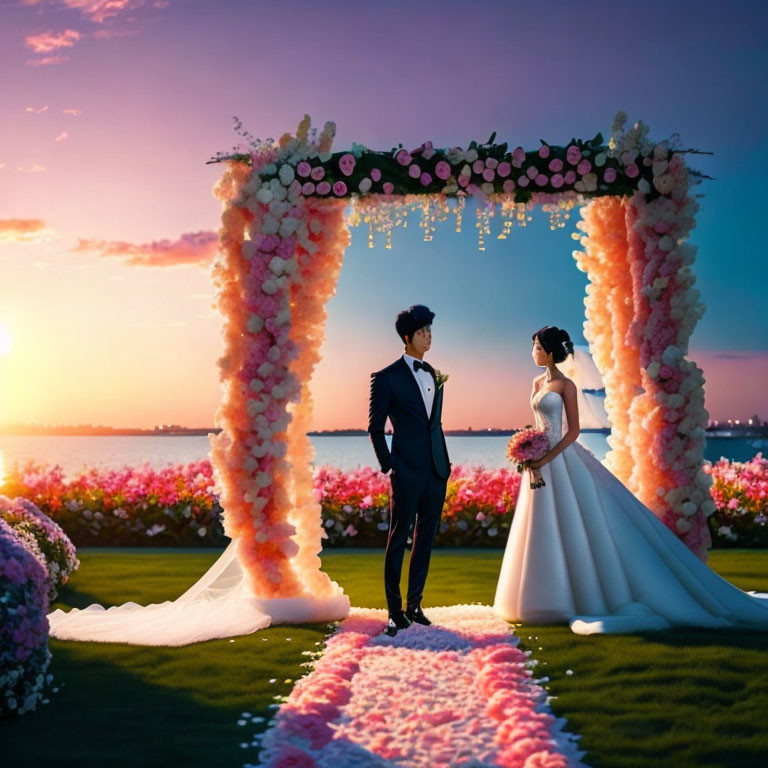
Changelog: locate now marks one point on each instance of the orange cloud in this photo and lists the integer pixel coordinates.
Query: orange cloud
(36, 110)
(73, 112)
(196, 248)
(46, 61)
(46, 42)
(97, 11)
(20, 230)
(36, 168)
(62, 136)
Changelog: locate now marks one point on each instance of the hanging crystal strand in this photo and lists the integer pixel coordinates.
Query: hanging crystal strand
(484, 214)
(459, 211)
(506, 212)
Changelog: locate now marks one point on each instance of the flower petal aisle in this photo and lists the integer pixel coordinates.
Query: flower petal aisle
(457, 693)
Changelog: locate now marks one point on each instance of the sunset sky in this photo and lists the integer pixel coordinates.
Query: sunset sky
(110, 109)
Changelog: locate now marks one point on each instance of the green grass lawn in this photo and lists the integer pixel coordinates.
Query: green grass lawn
(674, 699)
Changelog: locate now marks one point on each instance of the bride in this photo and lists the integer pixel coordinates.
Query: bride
(583, 550)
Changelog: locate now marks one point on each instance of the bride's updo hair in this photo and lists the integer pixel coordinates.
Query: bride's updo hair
(554, 340)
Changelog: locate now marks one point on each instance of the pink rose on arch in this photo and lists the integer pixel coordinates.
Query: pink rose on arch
(477, 167)
(414, 171)
(318, 172)
(504, 169)
(323, 188)
(558, 180)
(389, 187)
(509, 185)
(632, 170)
(518, 157)
(570, 176)
(425, 179)
(523, 181)
(665, 372)
(463, 180)
(443, 170)
(555, 165)
(491, 162)
(541, 180)
(269, 243)
(308, 189)
(544, 151)
(339, 189)
(375, 174)
(303, 169)
(532, 172)
(573, 154)
(489, 174)
(609, 175)
(403, 157)
(584, 167)
(347, 164)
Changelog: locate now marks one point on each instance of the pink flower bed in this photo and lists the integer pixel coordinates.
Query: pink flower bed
(740, 492)
(179, 505)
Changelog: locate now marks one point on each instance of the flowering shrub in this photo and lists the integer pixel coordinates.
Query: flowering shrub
(141, 506)
(44, 538)
(179, 506)
(24, 655)
(740, 491)
(478, 506)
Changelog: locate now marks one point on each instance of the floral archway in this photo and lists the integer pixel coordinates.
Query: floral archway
(283, 236)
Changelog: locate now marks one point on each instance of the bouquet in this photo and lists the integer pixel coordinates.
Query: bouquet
(528, 445)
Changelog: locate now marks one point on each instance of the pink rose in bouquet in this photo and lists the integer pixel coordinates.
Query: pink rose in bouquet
(528, 445)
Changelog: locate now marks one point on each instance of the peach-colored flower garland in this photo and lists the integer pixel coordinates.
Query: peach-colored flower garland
(641, 310)
(279, 258)
(459, 692)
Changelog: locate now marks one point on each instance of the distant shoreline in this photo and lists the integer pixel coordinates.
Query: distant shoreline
(33, 431)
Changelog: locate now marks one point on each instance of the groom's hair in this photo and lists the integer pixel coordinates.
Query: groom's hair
(410, 320)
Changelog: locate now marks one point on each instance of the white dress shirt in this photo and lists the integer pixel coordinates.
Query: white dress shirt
(425, 381)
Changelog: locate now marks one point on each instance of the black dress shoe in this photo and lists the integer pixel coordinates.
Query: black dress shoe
(415, 614)
(397, 621)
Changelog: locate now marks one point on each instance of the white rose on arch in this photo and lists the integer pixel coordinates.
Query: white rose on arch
(287, 226)
(264, 195)
(269, 225)
(259, 450)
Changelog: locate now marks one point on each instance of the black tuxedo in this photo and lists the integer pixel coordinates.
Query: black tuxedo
(420, 469)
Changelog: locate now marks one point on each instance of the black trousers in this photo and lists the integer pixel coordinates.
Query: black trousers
(418, 503)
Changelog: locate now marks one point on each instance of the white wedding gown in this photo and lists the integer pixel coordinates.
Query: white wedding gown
(584, 550)
(220, 604)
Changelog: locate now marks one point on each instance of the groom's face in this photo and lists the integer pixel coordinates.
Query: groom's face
(422, 339)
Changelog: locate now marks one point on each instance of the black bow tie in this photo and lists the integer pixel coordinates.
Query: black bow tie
(417, 364)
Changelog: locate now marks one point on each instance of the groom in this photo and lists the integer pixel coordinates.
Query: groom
(410, 393)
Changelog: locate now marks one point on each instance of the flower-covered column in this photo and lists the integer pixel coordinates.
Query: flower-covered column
(317, 274)
(609, 317)
(277, 266)
(641, 310)
(668, 420)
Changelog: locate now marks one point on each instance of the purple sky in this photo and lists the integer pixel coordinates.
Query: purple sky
(110, 110)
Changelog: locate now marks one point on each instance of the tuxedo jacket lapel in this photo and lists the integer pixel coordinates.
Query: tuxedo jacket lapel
(436, 406)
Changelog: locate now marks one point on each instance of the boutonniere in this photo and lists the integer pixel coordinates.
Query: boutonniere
(440, 378)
